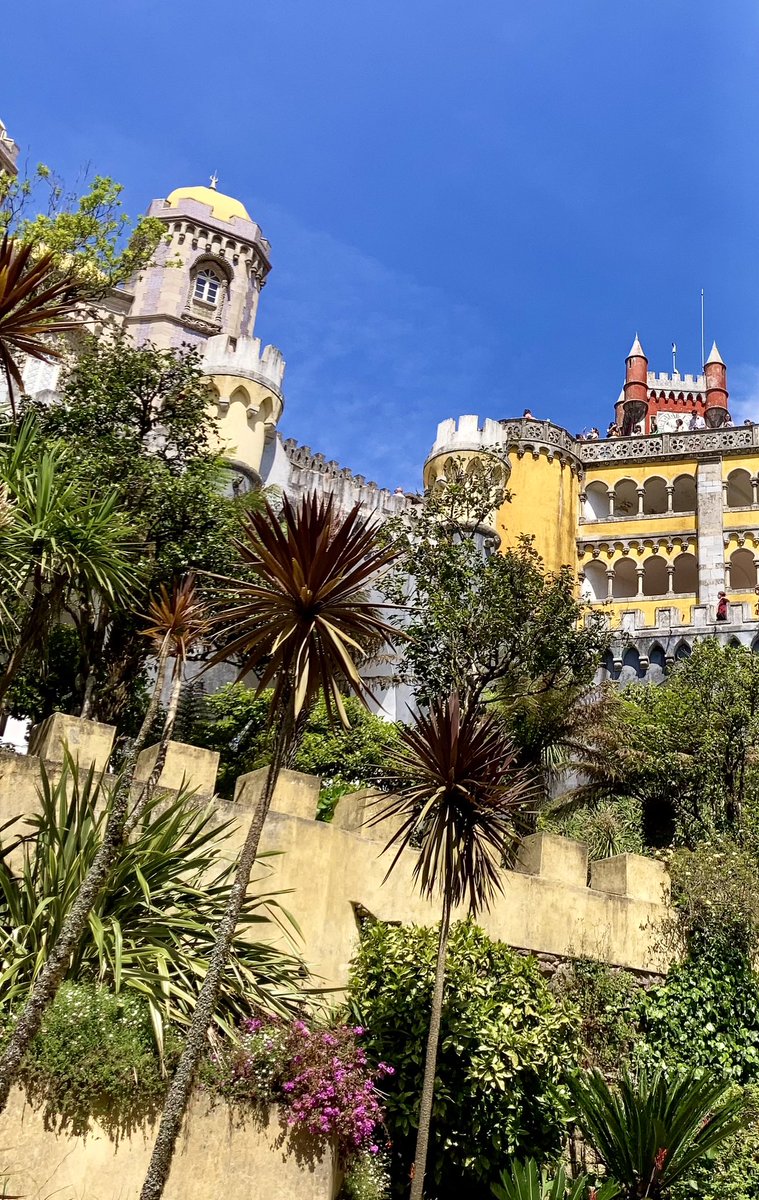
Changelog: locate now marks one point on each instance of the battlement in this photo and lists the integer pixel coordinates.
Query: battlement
(310, 471)
(243, 357)
(552, 903)
(675, 383)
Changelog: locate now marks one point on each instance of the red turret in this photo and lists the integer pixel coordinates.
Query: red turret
(635, 403)
(716, 389)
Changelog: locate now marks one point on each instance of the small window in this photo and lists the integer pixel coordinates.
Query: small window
(207, 287)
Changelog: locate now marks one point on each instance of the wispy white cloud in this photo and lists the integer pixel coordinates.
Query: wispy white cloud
(374, 358)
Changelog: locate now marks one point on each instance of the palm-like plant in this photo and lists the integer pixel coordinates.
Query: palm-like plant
(178, 622)
(462, 799)
(171, 865)
(652, 1129)
(63, 543)
(36, 303)
(299, 620)
(526, 1181)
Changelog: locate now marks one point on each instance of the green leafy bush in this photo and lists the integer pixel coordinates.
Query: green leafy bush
(96, 1056)
(527, 1182)
(234, 722)
(505, 1041)
(732, 1172)
(609, 1006)
(367, 1178)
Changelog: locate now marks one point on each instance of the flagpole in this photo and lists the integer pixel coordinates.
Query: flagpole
(703, 351)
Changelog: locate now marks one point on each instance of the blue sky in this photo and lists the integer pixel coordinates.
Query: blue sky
(472, 207)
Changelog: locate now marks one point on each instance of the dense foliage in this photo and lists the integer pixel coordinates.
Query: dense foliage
(174, 865)
(133, 424)
(504, 1043)
(234, 721)
(687, 749)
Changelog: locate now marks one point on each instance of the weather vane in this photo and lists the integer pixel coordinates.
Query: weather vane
(214, 180)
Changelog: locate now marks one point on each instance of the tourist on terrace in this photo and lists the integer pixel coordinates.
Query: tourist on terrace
(527, 415)
(722, 606)
(700, 422)
(653, 426)
(613, 430)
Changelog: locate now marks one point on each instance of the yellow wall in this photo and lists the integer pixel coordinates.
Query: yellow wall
(738, 518)
(610, 473)
(648, 607)
(545, 500)
(638, 527)
(748, 462)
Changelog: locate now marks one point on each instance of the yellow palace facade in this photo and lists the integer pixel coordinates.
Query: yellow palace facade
(655, 521)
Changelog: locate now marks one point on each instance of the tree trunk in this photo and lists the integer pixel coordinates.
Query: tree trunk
(120, 825)
(184, 1077)
(430, 1059)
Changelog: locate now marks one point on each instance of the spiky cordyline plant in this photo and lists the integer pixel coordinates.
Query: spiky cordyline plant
(527, 1181)
(36, 302)
(178, 623)
(652, 1128)
(462, 797)
(300, 621)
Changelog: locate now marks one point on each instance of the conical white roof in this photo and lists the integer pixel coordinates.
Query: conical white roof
(636, 350)
(715, 356)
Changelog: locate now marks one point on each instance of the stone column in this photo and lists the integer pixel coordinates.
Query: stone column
(641, 498)
(610, 583)
(728, 583)
(640, 572)
(710, 543)
(670, 496)
(755, 490)
(670, 579)
(611, 502)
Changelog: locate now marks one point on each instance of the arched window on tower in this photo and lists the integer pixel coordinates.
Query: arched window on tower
(207, 287)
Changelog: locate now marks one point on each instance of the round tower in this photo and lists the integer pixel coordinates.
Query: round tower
(715, 412)
(635, 402)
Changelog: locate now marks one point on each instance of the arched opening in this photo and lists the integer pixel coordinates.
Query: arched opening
(684, 494)
(206, 287)
(739, 491)
(655, 577)
(755, 645)
(735, 643)
(683, 651)
(607, 671)
(626, 497)
(595, 585)
(685, 578)
(655, 496)
(596, 507)
(742, 571)
(631, 668)
(657, 661)
(625, 581)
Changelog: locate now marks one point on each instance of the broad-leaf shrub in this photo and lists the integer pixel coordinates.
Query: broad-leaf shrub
(526, 1181)
(609, 1003)
(505, 1041)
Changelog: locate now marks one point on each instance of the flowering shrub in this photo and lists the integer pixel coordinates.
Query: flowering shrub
(320, 1076)
(367, 1178)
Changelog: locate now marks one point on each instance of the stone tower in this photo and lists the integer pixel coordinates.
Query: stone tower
(203, 289)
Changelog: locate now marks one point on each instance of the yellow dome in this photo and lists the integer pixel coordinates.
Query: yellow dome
(223, 207)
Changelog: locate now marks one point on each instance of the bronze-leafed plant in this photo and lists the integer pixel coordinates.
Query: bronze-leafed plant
(299, 620)
(36, 302)
(176, 623)
(462, 799)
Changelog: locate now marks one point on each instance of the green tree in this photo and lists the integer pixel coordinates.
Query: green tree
(234, 721)
(687, 749)
(140, 422)
(299, 620)
(87, 234)
(505, 1043)
(459, 800)
(70, 545)
(476, 617)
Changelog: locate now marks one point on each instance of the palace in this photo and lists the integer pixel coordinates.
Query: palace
(655, 522)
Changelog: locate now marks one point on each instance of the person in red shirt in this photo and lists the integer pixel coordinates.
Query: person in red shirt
(722, 606)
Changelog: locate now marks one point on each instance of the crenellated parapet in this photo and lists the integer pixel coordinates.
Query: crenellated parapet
(245, 358)
(521, 436)
(312, 472)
